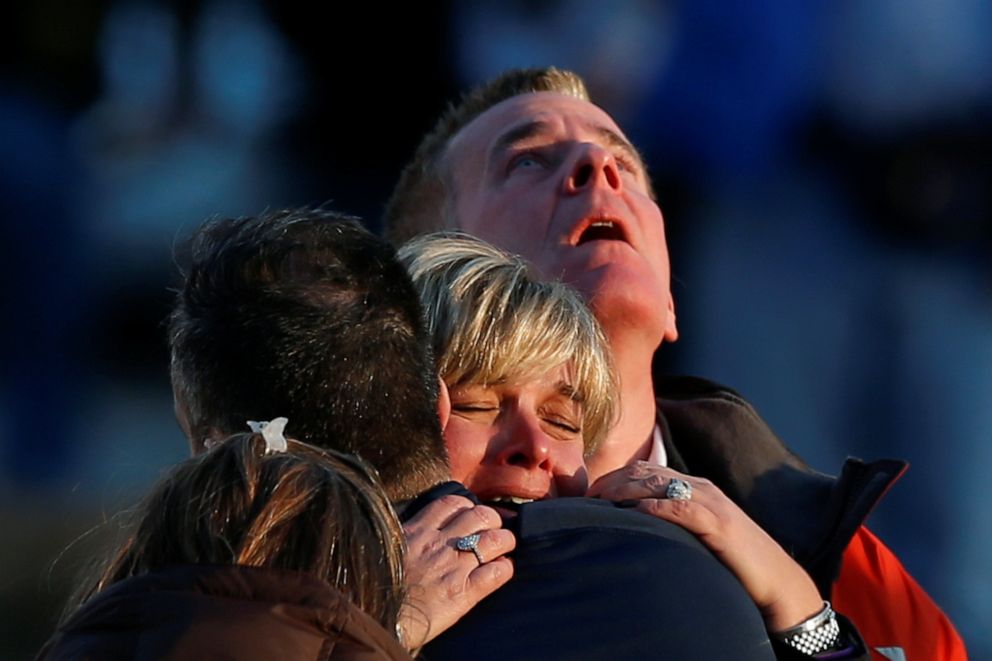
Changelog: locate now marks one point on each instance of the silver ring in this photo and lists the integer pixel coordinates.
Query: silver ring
(678, 490)
(470, 543)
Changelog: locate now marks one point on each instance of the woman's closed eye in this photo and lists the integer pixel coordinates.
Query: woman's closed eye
(563, 424)
(564, 418)
(473, 407)
(480, 411)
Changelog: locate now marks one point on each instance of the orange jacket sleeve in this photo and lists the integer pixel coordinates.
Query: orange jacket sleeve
(889, 608)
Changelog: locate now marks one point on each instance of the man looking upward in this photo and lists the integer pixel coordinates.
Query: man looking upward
(528, 162)
(551, 177)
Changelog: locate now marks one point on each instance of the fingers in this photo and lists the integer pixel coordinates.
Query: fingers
(493, 544)
(433, 535)
(778, 585)
(638, 480)
(781, 589)
(705, 511)
(488, 578)
(693, 516)
(454, 515)
(635, 472)
(439, 512)
(644, 480)
(475, 519)
(445, 582)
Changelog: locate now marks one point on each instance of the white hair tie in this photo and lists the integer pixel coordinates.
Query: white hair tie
(272, 432)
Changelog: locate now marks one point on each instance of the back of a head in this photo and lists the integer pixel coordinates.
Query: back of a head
(306, 314)
(493, 320)
(303, 509)
(420, 202)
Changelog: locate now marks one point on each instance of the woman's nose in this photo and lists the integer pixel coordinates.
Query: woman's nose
(526, 444)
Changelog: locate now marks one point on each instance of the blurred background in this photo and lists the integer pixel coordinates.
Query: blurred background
(824, 168)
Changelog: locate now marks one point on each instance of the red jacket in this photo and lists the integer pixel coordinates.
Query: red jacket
(889, 608)
(713, 432)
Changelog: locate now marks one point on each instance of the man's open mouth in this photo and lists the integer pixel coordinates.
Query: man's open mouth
(603, 229)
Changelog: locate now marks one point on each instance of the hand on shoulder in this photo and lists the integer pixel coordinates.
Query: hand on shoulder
(446, 579)
(783, 591)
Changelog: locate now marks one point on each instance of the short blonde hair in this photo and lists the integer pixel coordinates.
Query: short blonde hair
(492, 319)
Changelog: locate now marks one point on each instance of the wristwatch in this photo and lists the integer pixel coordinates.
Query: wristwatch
(815, 635)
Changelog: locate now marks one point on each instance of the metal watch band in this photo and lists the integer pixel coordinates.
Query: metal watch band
(815, 635)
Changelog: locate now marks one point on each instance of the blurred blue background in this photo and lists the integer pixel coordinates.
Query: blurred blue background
(824, 169)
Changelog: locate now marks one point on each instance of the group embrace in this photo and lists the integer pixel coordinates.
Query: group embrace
(452, 443)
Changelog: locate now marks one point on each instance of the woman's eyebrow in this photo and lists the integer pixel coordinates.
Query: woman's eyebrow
(568, 390)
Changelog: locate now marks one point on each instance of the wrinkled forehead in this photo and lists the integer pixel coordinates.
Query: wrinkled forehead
(553, 115)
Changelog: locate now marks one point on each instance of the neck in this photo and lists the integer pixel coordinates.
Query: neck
(630, 440)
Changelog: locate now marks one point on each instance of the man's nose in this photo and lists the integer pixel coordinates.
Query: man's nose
(526, 444)
(593, 166)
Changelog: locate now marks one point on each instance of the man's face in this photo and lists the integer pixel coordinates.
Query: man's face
(553, 178)
(517, 440)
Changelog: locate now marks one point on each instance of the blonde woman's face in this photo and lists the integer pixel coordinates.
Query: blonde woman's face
(518, 440)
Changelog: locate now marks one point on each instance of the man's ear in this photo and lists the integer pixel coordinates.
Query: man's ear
(671, 332)
(443, 403)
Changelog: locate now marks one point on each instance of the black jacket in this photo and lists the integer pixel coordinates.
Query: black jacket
(595, 581)
(712, 432)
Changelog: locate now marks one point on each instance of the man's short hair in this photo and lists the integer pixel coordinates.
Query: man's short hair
(421, 201)
(493, 320)
(308, 315)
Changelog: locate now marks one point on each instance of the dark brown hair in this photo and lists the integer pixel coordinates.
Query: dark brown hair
(304, 509)
(306, 314)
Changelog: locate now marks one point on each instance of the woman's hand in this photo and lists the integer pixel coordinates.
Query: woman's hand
(782, 590)
(445, 583)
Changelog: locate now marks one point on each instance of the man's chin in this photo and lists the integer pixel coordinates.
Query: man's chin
(623, 305)
(627, 286)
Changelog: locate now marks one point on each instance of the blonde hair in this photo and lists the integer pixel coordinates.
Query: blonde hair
(492, 319)
(420, 202)
(305, 509)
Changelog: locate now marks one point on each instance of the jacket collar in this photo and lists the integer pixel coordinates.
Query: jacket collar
(712, 432)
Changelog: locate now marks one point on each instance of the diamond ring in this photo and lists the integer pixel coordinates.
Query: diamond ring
(678, 490)
(470, 543)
